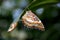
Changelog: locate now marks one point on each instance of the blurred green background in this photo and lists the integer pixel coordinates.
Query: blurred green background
(47, 10)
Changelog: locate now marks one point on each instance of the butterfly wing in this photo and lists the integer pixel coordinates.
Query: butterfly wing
(32, 21)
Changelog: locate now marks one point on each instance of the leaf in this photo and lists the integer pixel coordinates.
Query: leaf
(35, 4)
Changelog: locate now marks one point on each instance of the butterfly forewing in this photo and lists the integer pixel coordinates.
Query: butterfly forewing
(32, 21)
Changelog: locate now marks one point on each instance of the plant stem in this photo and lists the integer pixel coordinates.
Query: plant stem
(22, 13)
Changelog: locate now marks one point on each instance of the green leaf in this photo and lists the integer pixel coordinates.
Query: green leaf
(35, 4)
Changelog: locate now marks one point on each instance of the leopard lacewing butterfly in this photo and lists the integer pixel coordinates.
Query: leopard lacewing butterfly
(30, 20)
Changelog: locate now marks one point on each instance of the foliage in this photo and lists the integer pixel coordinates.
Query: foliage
(46, 10)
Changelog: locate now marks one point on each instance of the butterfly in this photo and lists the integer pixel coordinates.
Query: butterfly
(30, 20)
